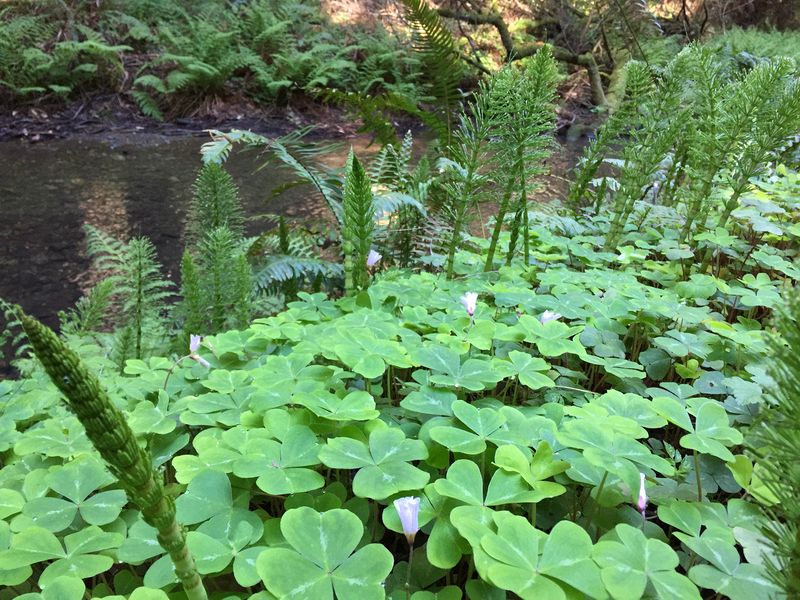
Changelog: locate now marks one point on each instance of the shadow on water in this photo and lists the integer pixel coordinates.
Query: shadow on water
(124, 187)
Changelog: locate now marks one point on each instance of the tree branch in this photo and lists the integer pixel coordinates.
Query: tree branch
(585, 60)
(484, 19)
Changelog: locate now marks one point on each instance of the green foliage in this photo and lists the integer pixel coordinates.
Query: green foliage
(215, 204)
(697, 132)
(217, 285)
(466, 160)
(140, 310)
(26, 68)
(635, 82)
(571, 422)
(522, 115)
(748, 47)
(626, 26)
(774, 442)
(317, 569)
(193, 52)
(440, 61)
(12, 338)
(357, 226)
(90, 312)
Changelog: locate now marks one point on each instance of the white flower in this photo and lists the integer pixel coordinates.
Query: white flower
(548, 316)
(469, 300)
(194, 343)
(408, 510)
(373, 258)
(641, 502)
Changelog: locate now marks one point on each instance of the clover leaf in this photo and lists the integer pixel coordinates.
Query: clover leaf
(725, 574)
(464, 483)
(320, 563)
(366, 353)
(76, 482)
(448, 370)
(536, 566)
(608, 449)
(64, 438)
(11, 502)
(481, 424)
(711, 432)
(632, 564)
(60, 588)
(430, 401)
(355, 406)
(280, 377)
(148, 418)
(278, 466)
(515, 465)
(530, 370)
(680, 344)
(76, 558)
(551, 339)
(383, 464)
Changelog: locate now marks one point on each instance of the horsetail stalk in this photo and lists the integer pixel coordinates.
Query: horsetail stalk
(113, 438)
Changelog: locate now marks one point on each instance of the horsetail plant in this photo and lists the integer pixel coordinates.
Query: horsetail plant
(521, 107)
(775, 121)
(466, 155)
(662, 122)
(609, 133)
(215, 203)
(730, 123)
(358, 224)
(112, 437)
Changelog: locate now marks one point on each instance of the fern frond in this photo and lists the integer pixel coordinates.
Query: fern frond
(147, 104)
(90, 311)
(139, 290)
(288, 149)
(439, 56)
(281, 268)
(12, 335)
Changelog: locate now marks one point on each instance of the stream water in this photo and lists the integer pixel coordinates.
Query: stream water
(124, 186)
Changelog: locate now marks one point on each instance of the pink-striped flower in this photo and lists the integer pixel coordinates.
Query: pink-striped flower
(641, 501)
(470, 301)
(548, 316)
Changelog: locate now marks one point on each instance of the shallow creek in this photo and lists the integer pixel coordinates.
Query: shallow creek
(125, 186)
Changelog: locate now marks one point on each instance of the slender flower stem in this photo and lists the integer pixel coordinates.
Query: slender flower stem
(697, 476)
(408, 572)
(597, 501)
